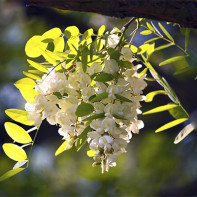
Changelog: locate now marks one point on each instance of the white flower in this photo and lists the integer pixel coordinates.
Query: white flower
(94, 68)
(110, 66)
(108, 124)
(87, 93)
(113, 40)
(99, 107)
(126, 54)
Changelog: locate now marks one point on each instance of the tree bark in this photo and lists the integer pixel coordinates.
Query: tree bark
(183, 12)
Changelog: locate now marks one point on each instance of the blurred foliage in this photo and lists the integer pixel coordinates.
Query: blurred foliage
(153, 165)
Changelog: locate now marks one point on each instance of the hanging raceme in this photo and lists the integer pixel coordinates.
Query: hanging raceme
(89, 87)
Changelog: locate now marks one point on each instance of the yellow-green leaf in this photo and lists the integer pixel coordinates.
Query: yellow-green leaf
(164, 46)
(34, 46)
(11, 173)
(150, 27)
(48, 58)
(184, 133)
(171, 60)
(146, 32)
(143, 48)
(171, 124)
(160, 108)
(26, 86)
(14, 152)
(71, 31)
(59, 44)
(52, 34)
(91, 153)
(101, 30)
(151, 95)
(32, 76)
(25, 83)
(19, 116)
(166, 32)
(37, 66)
(62, 148)
(17, 133)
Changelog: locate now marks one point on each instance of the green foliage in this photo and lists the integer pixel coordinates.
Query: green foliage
(84, 109)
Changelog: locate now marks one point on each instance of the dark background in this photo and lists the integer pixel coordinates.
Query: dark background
(153, 165)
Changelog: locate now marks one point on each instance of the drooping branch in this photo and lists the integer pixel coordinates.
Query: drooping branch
(183, 12)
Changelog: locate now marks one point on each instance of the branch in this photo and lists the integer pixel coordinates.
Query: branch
(183, 12)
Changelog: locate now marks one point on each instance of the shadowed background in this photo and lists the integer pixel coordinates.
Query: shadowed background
(153, 165)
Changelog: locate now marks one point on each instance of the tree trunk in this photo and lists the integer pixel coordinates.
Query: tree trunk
(183, 12)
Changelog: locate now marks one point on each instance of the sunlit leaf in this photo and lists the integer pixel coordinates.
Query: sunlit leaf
(160, 109)
(52, 34)
(32, 76)
(11, 173)
(84, 58)
(143, 48)
(133, 48)
(151, 95)
(91, 153)
(152, 40)
(171, 124)
(150, 27)
(146, 32)
(84, 109)
(59, 44)
(14, 152)
(166, 32)
(62, 148)
(171, 60)
(184, 133)
(101, 30)
(71, 31)
(37, 66)
(48, 58)
(17, 133)
(19, 116)
(34, 46)
(26, 86)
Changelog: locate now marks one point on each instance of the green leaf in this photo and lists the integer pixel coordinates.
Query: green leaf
(151, 95)
(187, 33)
(178, 112)
(164, 46)
(160, 109)
(91, 153)
(166, 32)
(184, 133)
(87, 34)
(119, 117)
(17, 133)
(170, 124)
(37, 66)
(61, 148)
(84, 58)
(187, 70)
(100, 97)
(11, 173)
(146, 32)
(104, 77)
(92, 51)
(171, 60)
(95, 116)
(19, 116)
(122, 98)
(82, 138)
(14, 152)
(84, 109)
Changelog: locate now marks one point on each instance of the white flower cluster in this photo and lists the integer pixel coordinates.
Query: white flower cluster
(60, 94)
